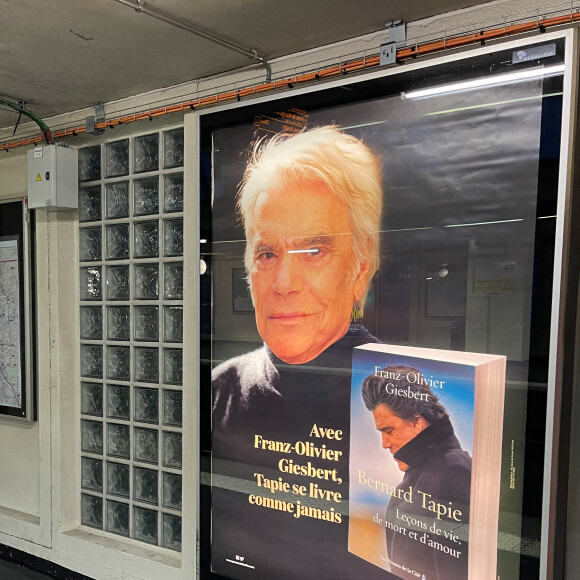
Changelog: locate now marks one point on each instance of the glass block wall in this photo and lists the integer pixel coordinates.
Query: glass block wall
(131, 332)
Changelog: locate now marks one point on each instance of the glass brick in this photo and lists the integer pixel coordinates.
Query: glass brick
(173, 281)
(91, 474)
(173, 324)
(172, 407)
(146, 149)
(118, 401)
(147, 281)
(171, 532)
(173, 192)
(90, 204)
(173, 237)
(145, 486)
(117, 158)
(117, 200)
(118, 323)
(92, 361)
(146, 405)
(146, 364)
(91, 437)
(90, 163)
(90, 244)
(92, 399)
(146, 196)
(118, 479)
(117, 282)
(173, 148)
(146, 242)
(91, 322)
(90, 279)
(172, 366)
(118, 363)
(118, 440)
(92, 511)
(117, 237)
(145, 525)
(146, 323)
(117, 518)
(172, 491)
(146, 445)
(171, 449)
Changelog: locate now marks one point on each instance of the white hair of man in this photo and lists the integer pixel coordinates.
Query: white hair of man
(326, 156)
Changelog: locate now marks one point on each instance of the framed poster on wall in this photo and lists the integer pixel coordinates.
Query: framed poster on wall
(341, 204)
(16, 393)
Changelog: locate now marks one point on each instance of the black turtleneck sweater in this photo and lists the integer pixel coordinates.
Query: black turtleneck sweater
(257, 398)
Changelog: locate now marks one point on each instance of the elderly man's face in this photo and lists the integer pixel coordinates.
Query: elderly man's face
(304, 276)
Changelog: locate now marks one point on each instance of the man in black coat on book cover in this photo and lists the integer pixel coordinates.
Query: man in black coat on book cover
(416, 429)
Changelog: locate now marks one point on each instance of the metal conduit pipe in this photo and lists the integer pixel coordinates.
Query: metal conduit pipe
(139, 6)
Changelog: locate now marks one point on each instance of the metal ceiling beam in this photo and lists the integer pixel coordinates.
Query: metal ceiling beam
(139, 6)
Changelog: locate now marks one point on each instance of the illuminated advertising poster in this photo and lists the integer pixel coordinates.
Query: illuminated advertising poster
(393, 218)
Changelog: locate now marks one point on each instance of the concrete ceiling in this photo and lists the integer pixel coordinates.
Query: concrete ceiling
(62, 55)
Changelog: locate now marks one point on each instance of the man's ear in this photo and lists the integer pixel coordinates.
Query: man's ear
(361, 280)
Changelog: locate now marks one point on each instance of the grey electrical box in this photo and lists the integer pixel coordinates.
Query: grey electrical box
(53, 178)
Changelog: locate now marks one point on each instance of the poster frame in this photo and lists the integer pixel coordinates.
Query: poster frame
(564, 266)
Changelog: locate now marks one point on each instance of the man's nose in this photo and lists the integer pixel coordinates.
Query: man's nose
(288, 277)
(386, 441)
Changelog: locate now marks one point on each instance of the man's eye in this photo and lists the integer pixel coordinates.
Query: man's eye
(266, 256)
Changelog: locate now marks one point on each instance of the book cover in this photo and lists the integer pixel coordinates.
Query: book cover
(425, 461)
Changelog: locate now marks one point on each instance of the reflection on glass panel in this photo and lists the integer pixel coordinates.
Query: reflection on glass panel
(117, 200)
(173, 281)
(146, 405)
(145, 525)
(90, 163)
(118, 401)
(117, 518)
(91, 511)
(173, 148)
(118, 323)
(145, 485)
(173, 237)
(146, 242)
(91, 473)
(146, 196)
(146, 323)
(91, 437)
(171, 532)
(118, 479)
(92, 398)
(173, 323)
(172, 407)
(117, 158)
(117, 282)
(91, 322)
(90, 279)
(117, 237)
(146, 153)
(90, 204)
(173, 192)
(172, 366)
(146, 281)
(172, 491)
(146, 445)
(118, 362)
(118, 442)
(92, 360)
(89, 244)
(146, 364)
(171, 449)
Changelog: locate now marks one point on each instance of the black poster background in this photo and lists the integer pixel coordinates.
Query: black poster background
(460, 176)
